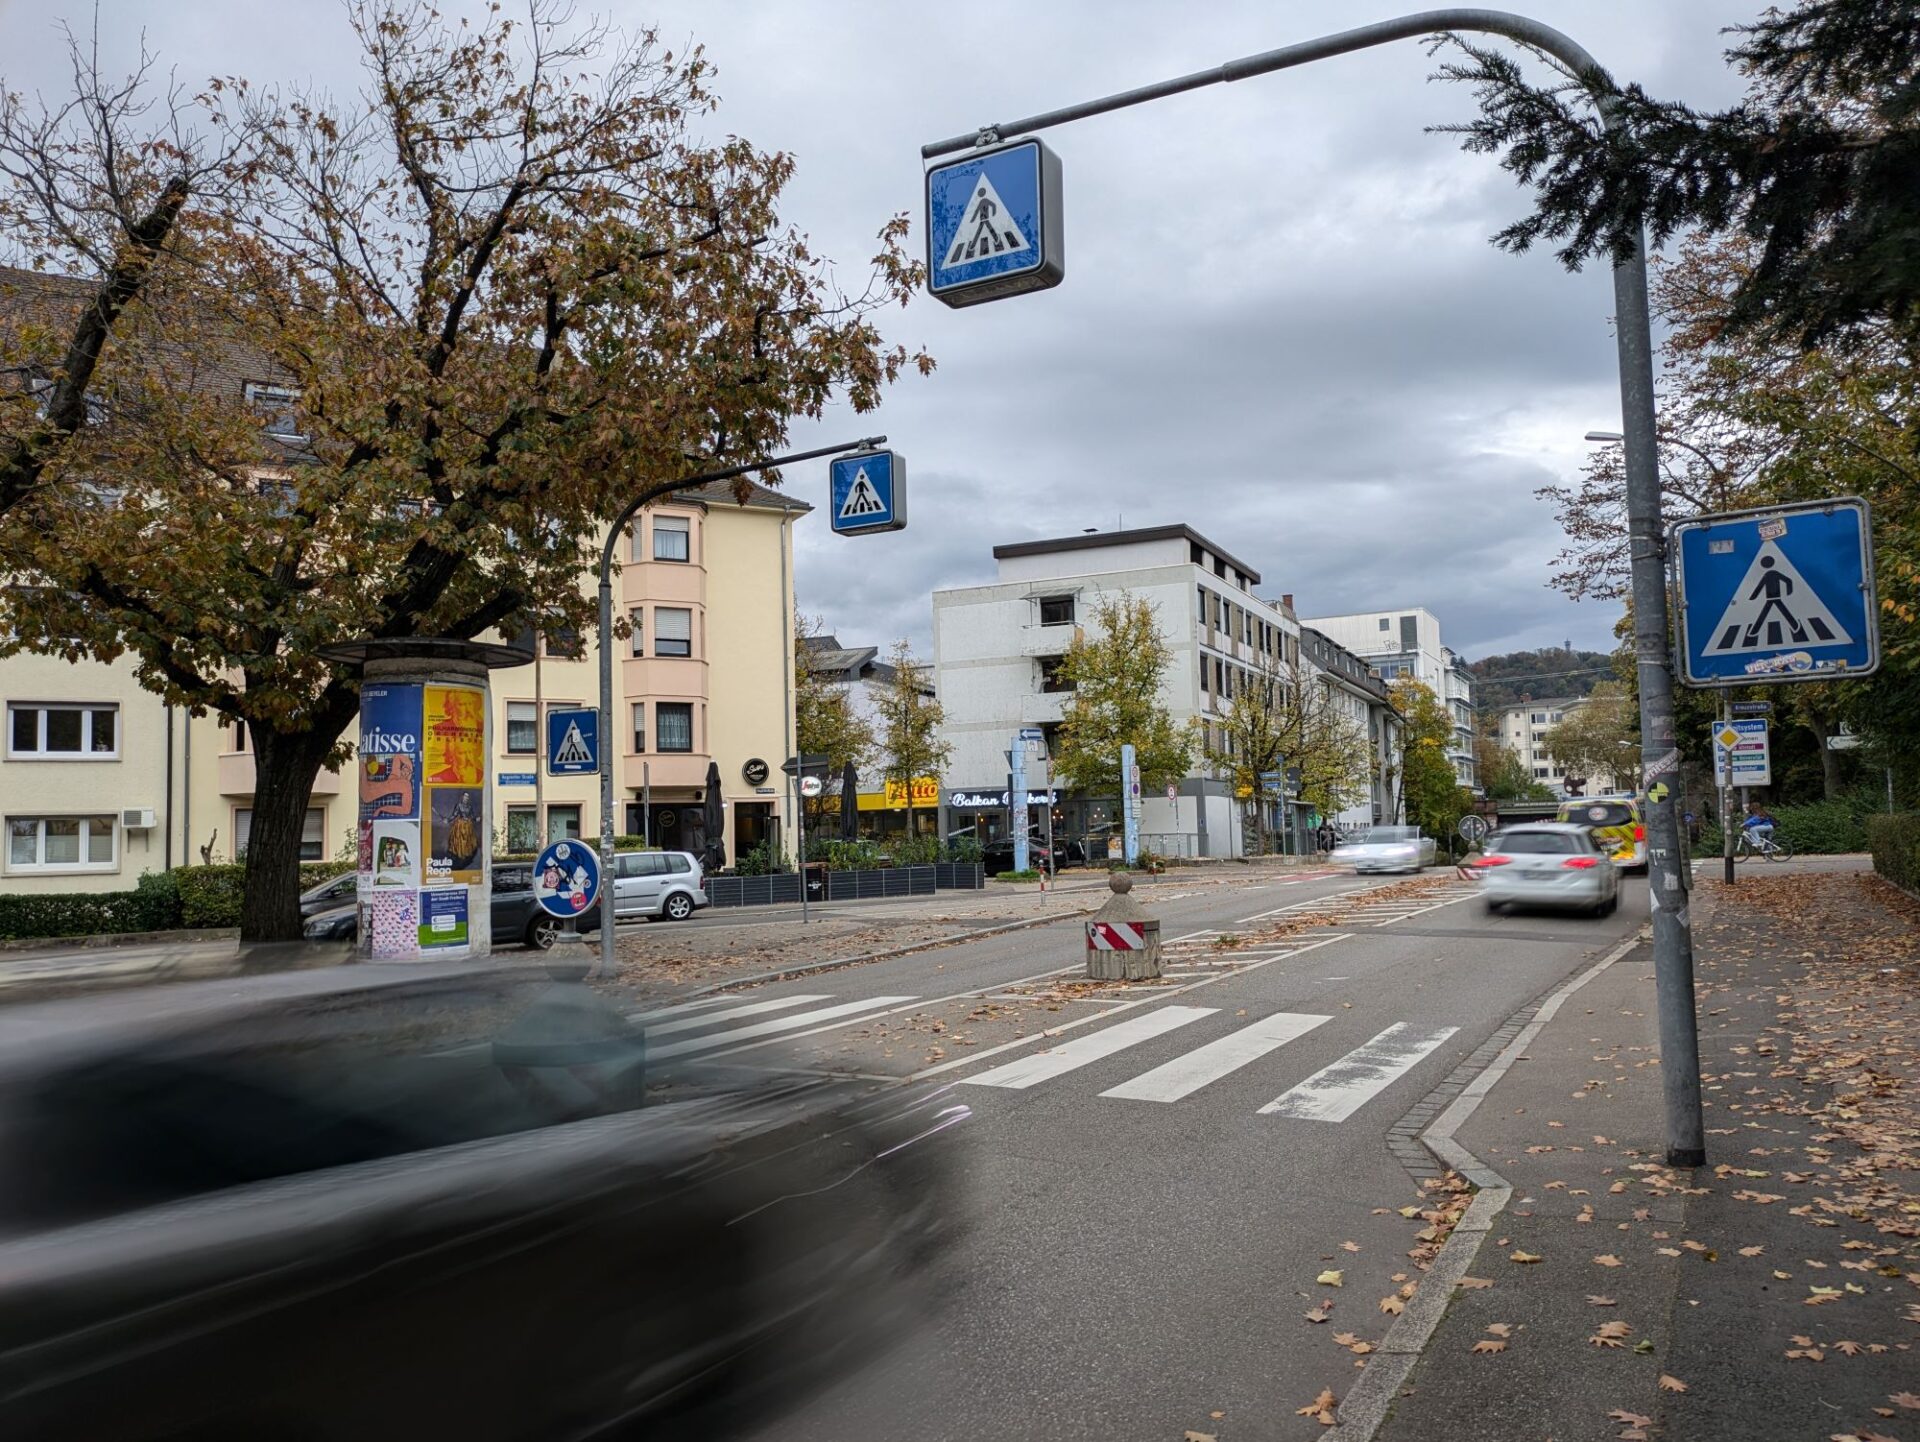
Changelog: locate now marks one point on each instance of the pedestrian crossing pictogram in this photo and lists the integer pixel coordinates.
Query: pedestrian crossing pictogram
(573, 749)
(1774, 606)
(862, 499)
(986, 229)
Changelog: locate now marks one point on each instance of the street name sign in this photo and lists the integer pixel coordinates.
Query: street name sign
(867, 492)
(1742, 744)
(994, 224)
(1750, 708)
(1784, 594)
(573, 741)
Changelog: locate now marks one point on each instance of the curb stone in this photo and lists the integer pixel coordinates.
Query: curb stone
(1365, 1408)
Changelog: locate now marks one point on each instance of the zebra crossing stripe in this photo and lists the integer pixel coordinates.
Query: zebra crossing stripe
(1185, 1075)
(1336, 1092)
(678, 1008)
(771, 1028)
(730, 1013)
(1018, 1075)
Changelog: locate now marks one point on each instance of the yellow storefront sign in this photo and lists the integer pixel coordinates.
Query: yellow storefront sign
(926, 795)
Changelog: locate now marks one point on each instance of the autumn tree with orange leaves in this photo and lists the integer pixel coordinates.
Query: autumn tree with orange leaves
(509, 290)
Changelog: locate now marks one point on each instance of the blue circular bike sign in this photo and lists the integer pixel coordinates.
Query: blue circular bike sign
(566, 879)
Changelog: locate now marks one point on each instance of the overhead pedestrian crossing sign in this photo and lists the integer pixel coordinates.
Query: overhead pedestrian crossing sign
(1783, 594)
(994, 224)
(868, 492)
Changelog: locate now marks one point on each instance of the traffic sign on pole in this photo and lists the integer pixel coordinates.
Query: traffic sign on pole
(573, 741)
(566, 879)
(1740, 752)
(1783, 594)
(994, 224)
(867, 492)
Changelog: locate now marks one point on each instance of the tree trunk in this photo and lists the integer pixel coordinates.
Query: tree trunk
(284, 768)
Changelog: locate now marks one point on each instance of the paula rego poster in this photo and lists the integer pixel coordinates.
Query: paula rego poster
(454, 834)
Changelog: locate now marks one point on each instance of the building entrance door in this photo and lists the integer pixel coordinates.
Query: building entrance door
(752, 824)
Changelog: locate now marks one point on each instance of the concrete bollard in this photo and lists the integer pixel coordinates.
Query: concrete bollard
(1123, 942)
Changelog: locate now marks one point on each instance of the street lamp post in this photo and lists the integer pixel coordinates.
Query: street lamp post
(614, 532)
(1672, 930)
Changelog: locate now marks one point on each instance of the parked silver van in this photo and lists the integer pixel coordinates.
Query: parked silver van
(657, 884)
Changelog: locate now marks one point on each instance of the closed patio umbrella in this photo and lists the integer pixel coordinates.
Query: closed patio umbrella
(849, 803)
(715, 814)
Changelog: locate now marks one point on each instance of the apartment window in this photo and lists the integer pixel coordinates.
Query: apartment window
(636, 620)
(1202, 592)
(1385, 624)
(236, 734)
(565, 644)
(672, 538)
(276, 405)
(72, 731)
(673, 725)
(1541, 772)
(523, 828)
(639, 726)
(672, 631)
(313, 833)
(1056, 610)
(563, 823)
(636, 547)
(1409, 633)
(523, 728)
(1219, 677)
(60, 843)
(1051, 677)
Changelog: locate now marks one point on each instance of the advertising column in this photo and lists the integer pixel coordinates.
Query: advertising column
(424, 822)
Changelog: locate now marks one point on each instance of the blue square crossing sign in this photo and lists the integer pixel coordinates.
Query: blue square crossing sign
(573, 741)
(867, 492)
(994, 224)
(1783, 594)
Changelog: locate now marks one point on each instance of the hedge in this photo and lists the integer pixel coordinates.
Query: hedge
(187, 896)
(1814, 828)
(1894, 840)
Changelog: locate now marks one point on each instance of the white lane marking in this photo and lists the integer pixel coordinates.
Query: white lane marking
(770, 1028)
(1450, 901)
(1018, 1075)
(732, 1013)
(1336, 1092)
(675, 1010)
(1118, 1007)
(1185, 1075)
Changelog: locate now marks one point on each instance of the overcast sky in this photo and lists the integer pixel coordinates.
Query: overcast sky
(1282, 322)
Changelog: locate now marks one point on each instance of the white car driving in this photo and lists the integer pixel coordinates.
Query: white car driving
(1548, 863)
(1386, 848)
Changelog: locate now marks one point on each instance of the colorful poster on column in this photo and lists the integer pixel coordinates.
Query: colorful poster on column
(389, 761)
(396, 933)
(456, 735)
(453, 834)
(443, 917)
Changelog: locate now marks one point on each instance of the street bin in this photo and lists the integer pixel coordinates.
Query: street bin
(816, 875)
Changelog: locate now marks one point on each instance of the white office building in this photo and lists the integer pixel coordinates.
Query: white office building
(997, 655)
(1406, 642)
(1523, 730)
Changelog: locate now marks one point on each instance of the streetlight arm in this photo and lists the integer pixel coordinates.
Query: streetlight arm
(1406, 27)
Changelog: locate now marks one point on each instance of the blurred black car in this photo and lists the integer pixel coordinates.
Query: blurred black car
(426, 1210)
(517, 916)
(329, 895)
(997, 855)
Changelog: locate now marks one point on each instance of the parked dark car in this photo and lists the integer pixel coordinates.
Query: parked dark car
(516, 915)
(997, 855)
(329, 894)
(384, 1211)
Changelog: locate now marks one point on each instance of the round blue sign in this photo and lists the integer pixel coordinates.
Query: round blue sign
(566, 879)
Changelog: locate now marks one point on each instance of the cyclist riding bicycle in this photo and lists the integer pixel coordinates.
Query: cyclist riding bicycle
(1758, 824)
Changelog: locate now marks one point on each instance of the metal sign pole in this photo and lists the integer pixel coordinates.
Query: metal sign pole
(1723, 773)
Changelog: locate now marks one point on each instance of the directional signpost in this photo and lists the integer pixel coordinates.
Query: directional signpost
(573, 742)
(1775, 595)
(994, 224)
(1740, 753)
(868, 492)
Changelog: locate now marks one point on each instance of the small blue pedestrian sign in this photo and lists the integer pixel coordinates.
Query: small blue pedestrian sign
(994, 225)
(1783, 594)
(868, 492)
(566, 879)
(573, 741)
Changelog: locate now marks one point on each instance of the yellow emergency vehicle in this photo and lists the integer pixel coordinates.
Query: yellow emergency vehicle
(1616, 825)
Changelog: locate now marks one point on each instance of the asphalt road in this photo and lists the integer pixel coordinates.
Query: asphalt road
(1157, 1176)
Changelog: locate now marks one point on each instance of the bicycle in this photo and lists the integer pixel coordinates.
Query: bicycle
(1771, 847)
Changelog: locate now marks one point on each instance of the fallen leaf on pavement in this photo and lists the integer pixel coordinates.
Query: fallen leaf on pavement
(1611, 1334)
(1608, 1260)
(1473, 1284)
(1848, 1349)
(1523, 1257)
(1671, 1384)
(1393, 1306)
(1905, 1399)
(1328, 1278)
(1632, 1419)
(1594, 1301)
(1487, 1344)
(1751, 1251)
(1193, 1436)
(1320, 1408)
(1345, 1339)
(1668, 1251)
(1500, 1329)
(1320, 1313)
(1349, 1246)
(1812, 1354)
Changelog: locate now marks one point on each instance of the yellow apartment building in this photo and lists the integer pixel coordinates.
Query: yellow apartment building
(100, 780)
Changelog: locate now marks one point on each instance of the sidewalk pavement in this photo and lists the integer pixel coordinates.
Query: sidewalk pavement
(1772, 1295)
